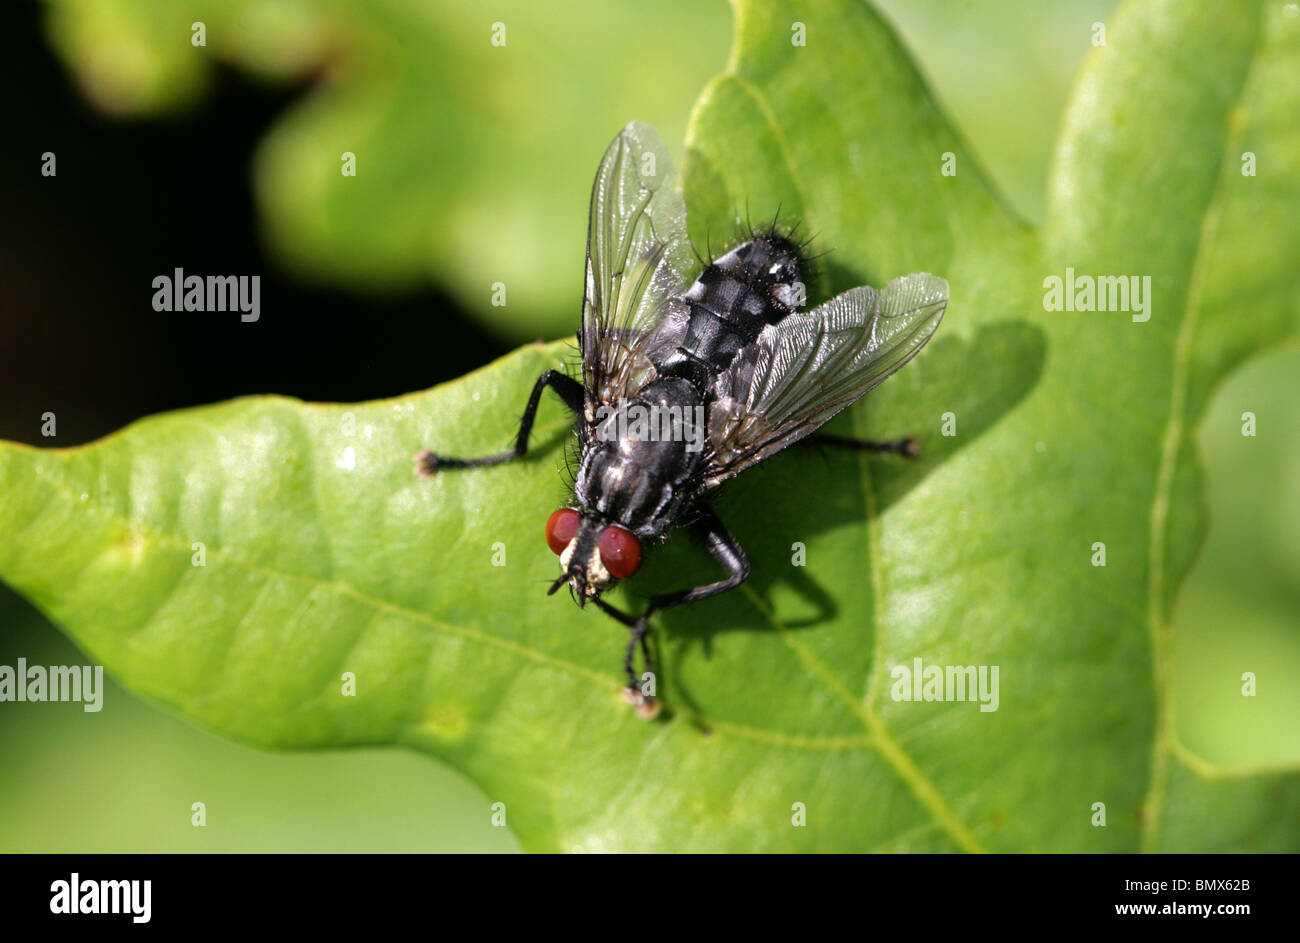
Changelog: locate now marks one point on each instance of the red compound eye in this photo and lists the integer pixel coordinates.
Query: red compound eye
(620, 551)
(562, 527)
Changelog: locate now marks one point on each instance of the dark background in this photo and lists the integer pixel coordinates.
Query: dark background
(133, 200)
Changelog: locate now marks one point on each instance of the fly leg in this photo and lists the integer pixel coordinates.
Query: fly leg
(723, 548)
(639, 636)
(647, 705)
(570, 390)
(907, 447)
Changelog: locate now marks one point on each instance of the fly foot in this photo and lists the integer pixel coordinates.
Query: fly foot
(426, 464)
(646, 707)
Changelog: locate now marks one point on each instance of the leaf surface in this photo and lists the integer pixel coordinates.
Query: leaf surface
(324, 555)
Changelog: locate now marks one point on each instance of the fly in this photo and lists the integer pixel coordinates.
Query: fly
(688, 382)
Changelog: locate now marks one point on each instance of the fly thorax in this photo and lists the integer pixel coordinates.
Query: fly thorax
(624, 487)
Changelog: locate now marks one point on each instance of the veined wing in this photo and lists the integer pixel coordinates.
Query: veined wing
(810, 366)
(638, 262)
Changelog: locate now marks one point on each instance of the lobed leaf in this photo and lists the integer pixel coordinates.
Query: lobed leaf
(324, 554)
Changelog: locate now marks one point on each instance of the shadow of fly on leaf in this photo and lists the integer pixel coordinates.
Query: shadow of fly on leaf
(686, 382)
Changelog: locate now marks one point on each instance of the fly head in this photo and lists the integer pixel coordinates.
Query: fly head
(594, 553)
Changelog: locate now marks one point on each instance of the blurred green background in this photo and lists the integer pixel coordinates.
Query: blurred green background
(479, 182)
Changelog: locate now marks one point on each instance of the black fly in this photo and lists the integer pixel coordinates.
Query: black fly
(688, 383)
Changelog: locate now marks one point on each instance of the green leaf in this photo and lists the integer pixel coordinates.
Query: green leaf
(324, 555)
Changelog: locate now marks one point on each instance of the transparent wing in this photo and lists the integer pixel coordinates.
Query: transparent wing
(638, 262)
(805, 369)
